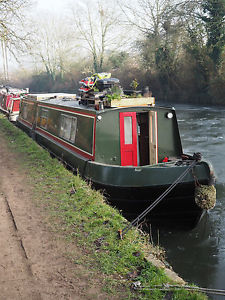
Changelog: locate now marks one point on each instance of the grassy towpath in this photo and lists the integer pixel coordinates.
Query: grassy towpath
(67, 234)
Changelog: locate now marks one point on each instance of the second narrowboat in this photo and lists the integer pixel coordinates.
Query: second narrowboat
(10, 101)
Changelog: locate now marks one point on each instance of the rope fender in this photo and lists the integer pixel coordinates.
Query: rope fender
(205, 196)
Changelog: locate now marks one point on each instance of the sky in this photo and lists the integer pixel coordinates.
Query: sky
(55, 6)
(52, 5)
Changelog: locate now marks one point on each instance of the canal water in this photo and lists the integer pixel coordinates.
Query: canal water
(198, 255)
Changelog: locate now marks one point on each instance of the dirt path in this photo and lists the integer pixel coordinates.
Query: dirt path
(33, 262)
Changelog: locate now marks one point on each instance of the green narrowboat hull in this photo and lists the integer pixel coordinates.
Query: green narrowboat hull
(162, 174)
(178, 208)
(132, 190)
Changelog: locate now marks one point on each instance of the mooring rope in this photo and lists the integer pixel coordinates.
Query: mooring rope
(157, 201)
(169, 287)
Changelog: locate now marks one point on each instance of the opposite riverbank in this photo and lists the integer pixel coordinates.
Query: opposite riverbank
(85, 226)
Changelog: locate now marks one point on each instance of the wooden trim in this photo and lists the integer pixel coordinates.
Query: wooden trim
(153, 138)
(129, 102)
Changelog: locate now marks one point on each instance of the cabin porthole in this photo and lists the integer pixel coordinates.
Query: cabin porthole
(169, 115)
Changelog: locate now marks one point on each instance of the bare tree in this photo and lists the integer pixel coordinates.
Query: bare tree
(97, 27)
(53, 46)
(12, 19)
(160, 27)
(148, 16)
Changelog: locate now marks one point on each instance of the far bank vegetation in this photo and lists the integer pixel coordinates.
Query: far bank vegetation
(174, 47)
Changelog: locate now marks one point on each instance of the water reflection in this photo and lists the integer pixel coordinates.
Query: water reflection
(199, 255)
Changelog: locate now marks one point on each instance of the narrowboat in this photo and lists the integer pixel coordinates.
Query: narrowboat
(13, 108)
(132, 152)
(10, 101)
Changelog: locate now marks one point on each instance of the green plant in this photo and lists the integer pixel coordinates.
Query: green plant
(114, 96)
(134, 84)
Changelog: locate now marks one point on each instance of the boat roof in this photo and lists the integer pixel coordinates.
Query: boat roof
(45, 96)
(67, 102)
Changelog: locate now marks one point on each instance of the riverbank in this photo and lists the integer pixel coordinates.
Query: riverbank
(81, 219)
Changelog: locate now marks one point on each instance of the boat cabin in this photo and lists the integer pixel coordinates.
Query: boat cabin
(124, 136)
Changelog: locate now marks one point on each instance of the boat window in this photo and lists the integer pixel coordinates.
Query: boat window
(25, 110)
(68, 128)
(44, 118)
(128, 130)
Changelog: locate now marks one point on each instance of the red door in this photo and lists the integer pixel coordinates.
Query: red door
(128, 139)
(7, 101)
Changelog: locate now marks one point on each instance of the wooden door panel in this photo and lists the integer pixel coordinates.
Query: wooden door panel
(153, 138)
